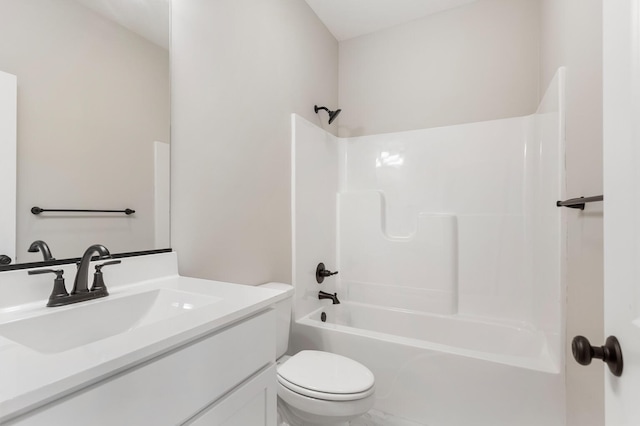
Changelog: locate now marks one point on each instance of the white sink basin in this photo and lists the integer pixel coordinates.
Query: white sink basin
(61, 329)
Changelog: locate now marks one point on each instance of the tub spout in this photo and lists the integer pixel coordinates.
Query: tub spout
(333, 297)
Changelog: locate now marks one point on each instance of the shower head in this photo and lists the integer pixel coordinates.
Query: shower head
(332, 114)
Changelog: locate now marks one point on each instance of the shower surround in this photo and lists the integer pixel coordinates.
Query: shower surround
(451, 251)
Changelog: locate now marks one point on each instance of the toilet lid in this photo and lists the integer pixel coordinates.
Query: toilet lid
(326, 373)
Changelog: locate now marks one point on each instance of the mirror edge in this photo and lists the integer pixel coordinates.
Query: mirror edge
(17, 266)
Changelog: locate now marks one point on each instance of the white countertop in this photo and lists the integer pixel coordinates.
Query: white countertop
(30, 378)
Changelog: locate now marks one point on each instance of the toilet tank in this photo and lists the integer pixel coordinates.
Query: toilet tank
(283, 316)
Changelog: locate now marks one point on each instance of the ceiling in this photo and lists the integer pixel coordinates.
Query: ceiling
(352, 18)
(344, 18)
(148, 18)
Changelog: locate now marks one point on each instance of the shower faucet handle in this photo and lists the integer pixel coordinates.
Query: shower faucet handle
(322, 273)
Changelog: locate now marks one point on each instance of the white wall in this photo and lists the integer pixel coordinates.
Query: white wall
(92, 99)
(8, 113)
(473, 63)
(572, 35)
(239, 69)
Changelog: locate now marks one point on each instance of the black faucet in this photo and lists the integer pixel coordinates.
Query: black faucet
(80, 284)
(333, 297)
(80, 292)
(42, 247)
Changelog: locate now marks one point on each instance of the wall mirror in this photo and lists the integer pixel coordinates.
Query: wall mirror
(93, 122)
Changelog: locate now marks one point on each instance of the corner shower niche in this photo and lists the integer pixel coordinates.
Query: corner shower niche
(450, 250)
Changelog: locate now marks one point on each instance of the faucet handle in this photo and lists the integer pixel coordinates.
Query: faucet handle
(322, 273)
(98, 280)
(59, 289)
(111, 262)
(58, 272)
(100, 258)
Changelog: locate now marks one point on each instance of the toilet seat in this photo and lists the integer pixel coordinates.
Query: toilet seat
(326, 376)
(326, 396)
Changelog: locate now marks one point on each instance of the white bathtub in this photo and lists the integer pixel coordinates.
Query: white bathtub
(445, 370)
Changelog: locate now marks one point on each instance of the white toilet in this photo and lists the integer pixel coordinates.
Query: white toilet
(315, 387)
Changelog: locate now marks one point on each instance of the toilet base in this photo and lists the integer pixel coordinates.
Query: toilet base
(287, 417)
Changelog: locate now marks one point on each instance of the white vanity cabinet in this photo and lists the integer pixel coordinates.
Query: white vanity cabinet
(224, 378)
(250, 404)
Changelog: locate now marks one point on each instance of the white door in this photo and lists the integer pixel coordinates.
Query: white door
(7, 167)
(621, 28)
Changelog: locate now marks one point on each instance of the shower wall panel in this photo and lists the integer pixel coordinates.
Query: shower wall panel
(314, 184)
(472, 172)
(418, 272)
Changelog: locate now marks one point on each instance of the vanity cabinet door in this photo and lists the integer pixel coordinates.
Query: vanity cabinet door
(252, 404)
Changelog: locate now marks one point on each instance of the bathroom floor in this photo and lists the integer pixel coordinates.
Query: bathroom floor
(378, 418)
(372, 418)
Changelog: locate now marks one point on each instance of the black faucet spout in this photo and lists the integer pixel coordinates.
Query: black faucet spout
(325, 295)
(42, 247)
(80, 284)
